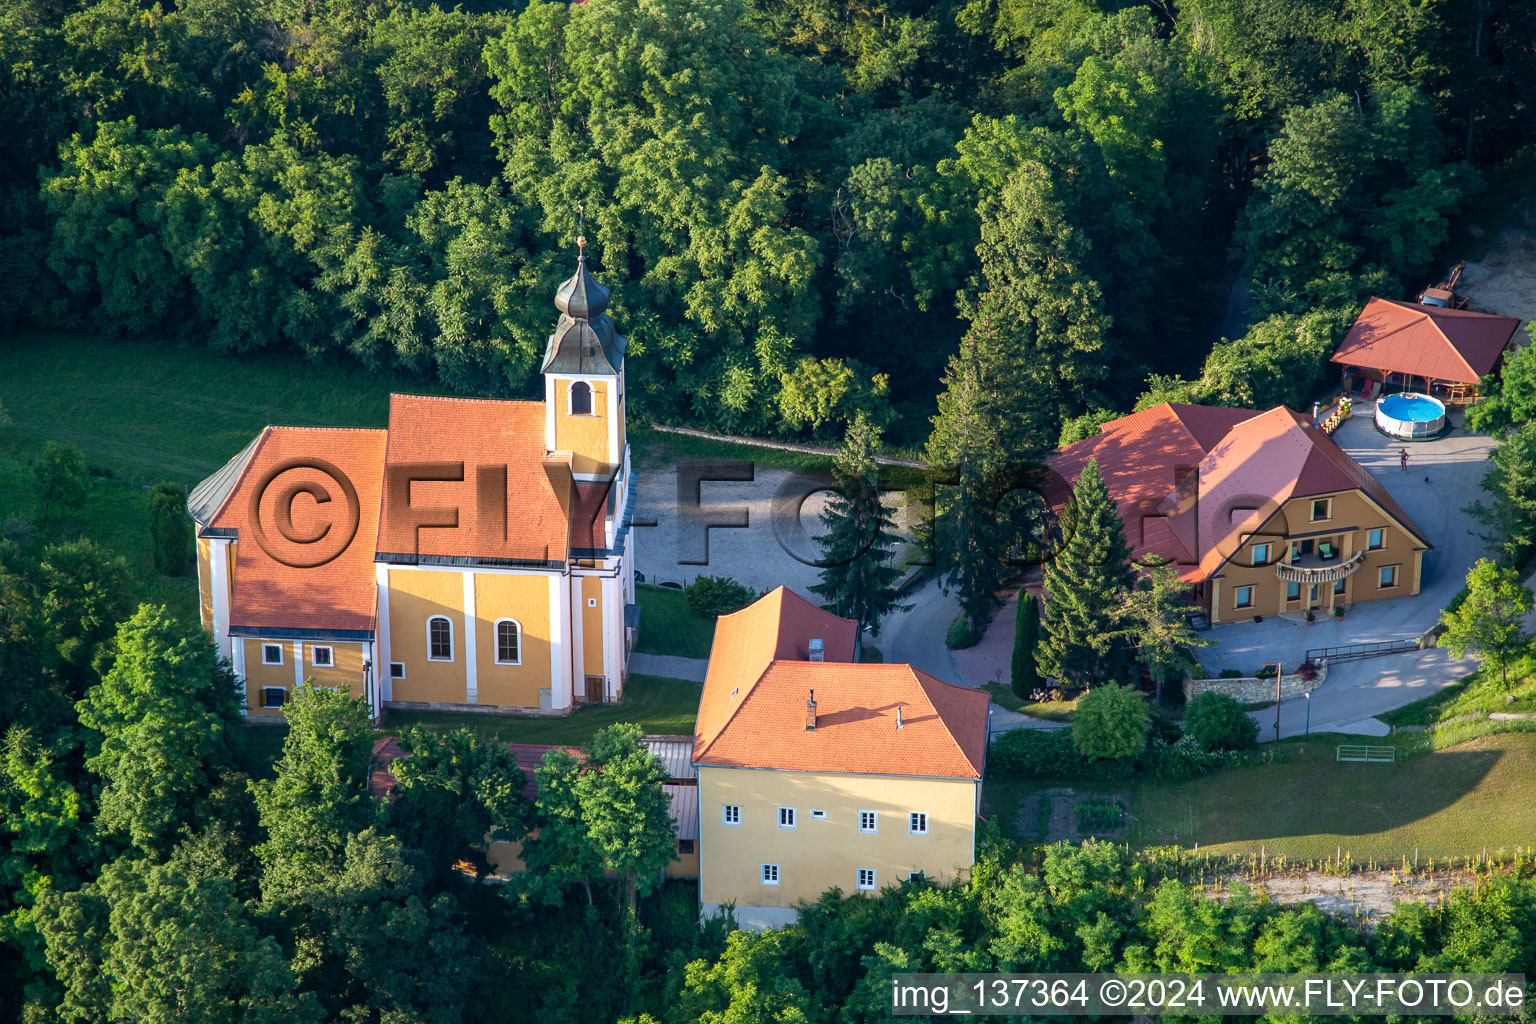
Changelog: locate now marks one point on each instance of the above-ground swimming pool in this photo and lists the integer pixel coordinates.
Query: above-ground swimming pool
(1410, 415)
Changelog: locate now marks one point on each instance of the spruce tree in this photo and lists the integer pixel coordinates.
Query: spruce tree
(974, 441)
(170, 528)
(1026, 642)
(858, 576)
(1086, 583)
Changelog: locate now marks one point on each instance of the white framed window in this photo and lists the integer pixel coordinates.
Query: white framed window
(730, 814)
(1261, 554)
(397, 670)
(917, 876)
(1386, 578)
(581, 398)
(786, 817)
(509, 642)
(322, 657)
(1244, 596)
(1375, 539)
(770, 874)
(869, 821)
(439, 639)
(818, 815)
(273, 696)
(271, 654)
(866, 878)
(1322, 509)
(917, 823)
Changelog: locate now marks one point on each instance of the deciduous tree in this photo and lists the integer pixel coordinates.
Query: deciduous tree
(60, 475)
(1490, 621)
(1111, 721)
(162, 722)
(318, 797)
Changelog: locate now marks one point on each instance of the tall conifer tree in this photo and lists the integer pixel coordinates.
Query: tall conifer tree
(1024, 675)
(1086, 583)
(858, 576)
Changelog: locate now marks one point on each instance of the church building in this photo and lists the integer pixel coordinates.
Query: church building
(475, 554)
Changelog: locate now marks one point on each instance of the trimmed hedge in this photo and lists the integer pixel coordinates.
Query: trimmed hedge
(1051, 754)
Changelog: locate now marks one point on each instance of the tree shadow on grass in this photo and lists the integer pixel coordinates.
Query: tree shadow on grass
(1319, 803)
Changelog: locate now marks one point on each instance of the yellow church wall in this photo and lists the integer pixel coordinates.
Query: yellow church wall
(258, 675)
(346, 672)
(816, 855)
(415, 595)
(525, 599)
(592, 628)
(204, 583)
(585, 437)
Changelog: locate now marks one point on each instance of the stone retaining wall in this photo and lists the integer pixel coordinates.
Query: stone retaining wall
(1253, 690)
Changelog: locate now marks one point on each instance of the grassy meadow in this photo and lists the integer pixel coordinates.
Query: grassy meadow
(1450, 803)
(148, 410)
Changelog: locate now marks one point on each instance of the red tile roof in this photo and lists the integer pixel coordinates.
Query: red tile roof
(1426, 341)
(752, 713)
(339, 594)
(1142, 457)
(1222, 495)
(504, 502)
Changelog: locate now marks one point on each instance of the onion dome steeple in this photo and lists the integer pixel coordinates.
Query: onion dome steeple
(585, 341)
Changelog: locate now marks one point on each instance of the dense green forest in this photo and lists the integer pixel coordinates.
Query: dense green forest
(803, 205)
(1019, 215)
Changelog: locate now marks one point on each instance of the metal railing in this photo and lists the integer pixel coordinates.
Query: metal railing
(1354, 652)
(1321, 574)
(1364, 754)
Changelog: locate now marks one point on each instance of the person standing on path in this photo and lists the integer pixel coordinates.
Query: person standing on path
(1403, 459)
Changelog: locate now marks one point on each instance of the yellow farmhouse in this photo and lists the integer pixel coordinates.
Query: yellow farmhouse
(474, 555)
(815, 772)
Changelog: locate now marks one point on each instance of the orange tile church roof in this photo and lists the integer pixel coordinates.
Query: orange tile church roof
(752, 713)
(503, 504)
(451, 479)
(273, 589)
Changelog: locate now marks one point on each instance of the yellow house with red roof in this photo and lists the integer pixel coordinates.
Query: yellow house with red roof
(815, 772)
(475, 554)
(1261, 513)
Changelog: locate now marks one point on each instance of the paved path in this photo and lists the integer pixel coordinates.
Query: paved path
(916, 636)
(1356, 691)
(1003, 720)
(669, 666)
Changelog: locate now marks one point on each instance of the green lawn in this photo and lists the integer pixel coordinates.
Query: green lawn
(669, 626)
(143, 411)
(152, 410)
(1450, 803)
(1480, 692)
(659, 706)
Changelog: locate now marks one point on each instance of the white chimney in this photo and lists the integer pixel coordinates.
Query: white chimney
(818, 650)
(898, 716)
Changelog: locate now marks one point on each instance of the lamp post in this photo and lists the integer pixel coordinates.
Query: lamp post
(1308, 695)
